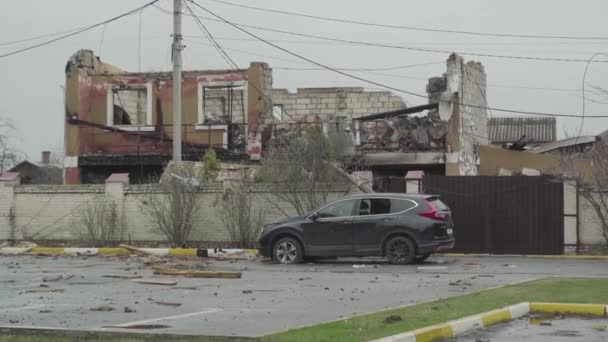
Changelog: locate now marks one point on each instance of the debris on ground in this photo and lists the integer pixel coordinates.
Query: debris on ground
(392, 319)
(57, 278)
(247, 291)
(44, 290)
(129, 310)
(142, 326)
(366, 266)
(431, 268)
(103, 308)
(197, 273)
(546, 323)
(155, 281)
(167, 303)
(460, 282)
(509, 265)
(45, 311)
(185, 288)
(304, 278)
(120, 276)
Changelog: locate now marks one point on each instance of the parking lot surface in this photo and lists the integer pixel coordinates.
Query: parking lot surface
(551, 329)
(77, 292)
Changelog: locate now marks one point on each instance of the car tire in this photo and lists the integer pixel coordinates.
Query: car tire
(287, 250)
(400, 250)
(421, 258)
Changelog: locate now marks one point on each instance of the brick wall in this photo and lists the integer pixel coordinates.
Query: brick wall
(334, 102)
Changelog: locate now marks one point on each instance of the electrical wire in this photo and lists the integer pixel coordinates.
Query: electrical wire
(31, 47)
(305, 58)
(227, 57)
(580, 130)
(394, 46)
(414, 28)
(379, 84)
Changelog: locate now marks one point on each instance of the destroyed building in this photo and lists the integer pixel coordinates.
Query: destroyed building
(121, 122)
(440, 137)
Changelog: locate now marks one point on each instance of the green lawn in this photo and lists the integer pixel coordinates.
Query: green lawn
(365, 328)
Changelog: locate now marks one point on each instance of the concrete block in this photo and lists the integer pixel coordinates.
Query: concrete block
(529, 172)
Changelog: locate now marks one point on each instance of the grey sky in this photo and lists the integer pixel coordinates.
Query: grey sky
(32, 97)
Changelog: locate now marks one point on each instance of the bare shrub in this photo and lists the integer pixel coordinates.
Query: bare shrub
(304, 168)
(97, 223)
(240, 217)
(173, 206)
(589, 168)
(8, 154)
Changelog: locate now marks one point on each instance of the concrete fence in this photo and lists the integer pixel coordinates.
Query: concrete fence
(49, 213)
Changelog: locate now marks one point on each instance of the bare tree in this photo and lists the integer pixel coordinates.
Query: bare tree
(304, 168)
(590, 171)
(97, 223)
(174, 204)
(8, 154)
(241, 218)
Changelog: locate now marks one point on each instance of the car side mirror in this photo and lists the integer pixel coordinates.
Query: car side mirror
(314, 217)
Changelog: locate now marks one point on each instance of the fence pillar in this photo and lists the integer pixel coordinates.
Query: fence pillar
(116, 193)
(413, 181)
(8, 226)
(571, 229)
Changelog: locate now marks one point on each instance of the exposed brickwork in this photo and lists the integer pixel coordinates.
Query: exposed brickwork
(334, 102)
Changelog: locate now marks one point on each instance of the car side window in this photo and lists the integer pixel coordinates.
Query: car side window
(399, 205)
(337, 209)
(374, 206)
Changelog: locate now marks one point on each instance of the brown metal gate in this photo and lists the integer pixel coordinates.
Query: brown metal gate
(503, 215)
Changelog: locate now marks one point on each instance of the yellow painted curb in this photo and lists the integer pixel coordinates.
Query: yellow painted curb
(573, 309)
(495, 316)
(252, 251)
(182, 251)
(433, 333)
(112, 250)
(47, 250)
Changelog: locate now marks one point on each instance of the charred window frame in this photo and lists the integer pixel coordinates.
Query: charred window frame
(130, 106)
(221, 103)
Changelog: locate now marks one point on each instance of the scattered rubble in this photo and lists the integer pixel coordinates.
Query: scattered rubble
(129, 310)
(167, 303)
(155, 281)
(45, 290)
(197, 273)
(392, 319)
(103, 308)
(58, 278)
(118, 276)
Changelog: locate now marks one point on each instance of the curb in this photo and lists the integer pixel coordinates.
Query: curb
(200, 252)
(486, 319)
(578, 256)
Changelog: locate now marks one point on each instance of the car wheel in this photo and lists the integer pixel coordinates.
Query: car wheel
(421, 258)
(400, 250)
(287, 251)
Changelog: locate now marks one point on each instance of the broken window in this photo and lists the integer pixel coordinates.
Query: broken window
(222, 105)
(130, 106)
(277, 112)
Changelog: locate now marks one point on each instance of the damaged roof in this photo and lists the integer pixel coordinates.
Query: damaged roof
(510, 130)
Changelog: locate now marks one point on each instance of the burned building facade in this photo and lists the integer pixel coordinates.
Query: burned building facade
(121, 122)
(440, 137)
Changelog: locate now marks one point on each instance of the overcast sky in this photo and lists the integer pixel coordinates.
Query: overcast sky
(31, 81)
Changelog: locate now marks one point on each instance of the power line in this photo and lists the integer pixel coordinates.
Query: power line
(302, 57)
(379, 84)
(402, 47)
(31, 47)
(413, 28)
(580, 130)
(225, 55)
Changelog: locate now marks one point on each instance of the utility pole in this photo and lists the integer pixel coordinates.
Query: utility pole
(177, 82)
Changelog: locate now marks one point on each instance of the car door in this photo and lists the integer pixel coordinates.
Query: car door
(328, 231)
(365, 225)
(375, 218)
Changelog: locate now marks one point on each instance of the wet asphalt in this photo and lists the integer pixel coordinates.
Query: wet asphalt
(267, 299)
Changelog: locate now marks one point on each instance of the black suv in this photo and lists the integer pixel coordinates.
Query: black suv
(405, 228)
